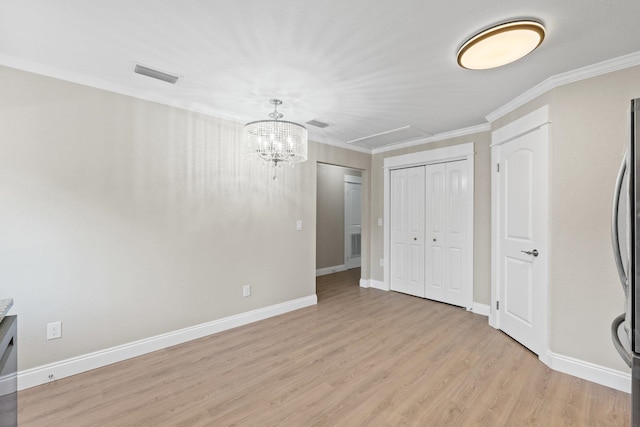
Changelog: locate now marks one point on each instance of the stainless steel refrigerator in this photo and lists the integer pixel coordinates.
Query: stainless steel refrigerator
(625, 233)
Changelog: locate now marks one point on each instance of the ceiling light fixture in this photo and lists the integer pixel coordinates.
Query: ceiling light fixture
(276, 141)
(501, 44)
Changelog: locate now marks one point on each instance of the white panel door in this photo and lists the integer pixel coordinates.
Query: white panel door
(522, 237)
(407, 230)
(352, 223)
(446, 233)
(435, 231)
(455, 249)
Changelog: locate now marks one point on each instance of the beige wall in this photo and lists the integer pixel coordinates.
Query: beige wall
(482, 209)
(126, 219)
(589, 130)
(330, 214)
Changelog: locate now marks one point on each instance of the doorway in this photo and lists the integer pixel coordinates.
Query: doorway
(338, 218)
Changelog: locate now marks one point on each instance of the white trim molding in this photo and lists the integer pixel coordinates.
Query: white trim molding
(589, 371)
(76, 365)
(552, 82)
(523, 125)
(374, 284)
(330, 270)
(482, 309)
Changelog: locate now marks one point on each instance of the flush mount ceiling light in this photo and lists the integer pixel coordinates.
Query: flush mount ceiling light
(276, 141)
(500, 45)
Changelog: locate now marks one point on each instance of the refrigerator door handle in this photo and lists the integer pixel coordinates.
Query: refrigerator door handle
(614, 226)
(626, 356)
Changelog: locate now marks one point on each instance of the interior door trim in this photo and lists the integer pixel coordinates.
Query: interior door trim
(439, 155)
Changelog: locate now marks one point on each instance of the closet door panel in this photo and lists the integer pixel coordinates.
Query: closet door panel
(435, 231)
(407, 230)
(456, 233)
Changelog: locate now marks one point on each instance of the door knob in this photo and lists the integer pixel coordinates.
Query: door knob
(533, 252)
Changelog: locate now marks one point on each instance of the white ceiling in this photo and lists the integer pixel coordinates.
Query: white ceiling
(365, 67)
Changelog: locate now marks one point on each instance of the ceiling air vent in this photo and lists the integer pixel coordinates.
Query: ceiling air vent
(155, 74)
(317, 123)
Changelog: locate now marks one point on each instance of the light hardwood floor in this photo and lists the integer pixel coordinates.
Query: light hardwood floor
(361, 357)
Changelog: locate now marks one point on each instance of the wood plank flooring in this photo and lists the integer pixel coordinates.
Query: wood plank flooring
(361, 357)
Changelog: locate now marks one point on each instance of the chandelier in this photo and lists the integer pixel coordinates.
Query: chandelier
(276, 141)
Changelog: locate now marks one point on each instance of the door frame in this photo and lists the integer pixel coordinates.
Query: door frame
(538, 119)
(351, 179)
(438, 155)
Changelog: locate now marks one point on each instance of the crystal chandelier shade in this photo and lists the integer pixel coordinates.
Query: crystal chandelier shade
(276, 141)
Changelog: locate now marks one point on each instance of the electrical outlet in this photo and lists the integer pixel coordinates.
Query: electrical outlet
(381, 262)
(246, 290)
(379, 222)
(54, 330)
(299, 225)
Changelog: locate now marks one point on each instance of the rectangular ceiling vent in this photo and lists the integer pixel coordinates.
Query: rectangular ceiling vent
(156, 74)
(317, 123)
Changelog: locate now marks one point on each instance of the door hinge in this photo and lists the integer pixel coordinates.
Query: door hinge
(498, 167)
(497, 305)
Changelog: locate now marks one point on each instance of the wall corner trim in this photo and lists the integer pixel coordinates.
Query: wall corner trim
(76, 365)
(588, 371)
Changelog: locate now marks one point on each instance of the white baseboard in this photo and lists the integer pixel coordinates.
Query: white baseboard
(329, 270)
(482, 309)
(375, 284)
(589, 371)
(75, 365)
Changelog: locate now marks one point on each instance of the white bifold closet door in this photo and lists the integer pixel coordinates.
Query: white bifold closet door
(407, 230)
(446, 232)
(429, 231)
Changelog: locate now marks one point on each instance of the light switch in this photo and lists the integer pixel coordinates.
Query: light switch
(299, 225)
(379, 222)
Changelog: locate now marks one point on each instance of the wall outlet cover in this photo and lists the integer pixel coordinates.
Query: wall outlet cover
(54, 330)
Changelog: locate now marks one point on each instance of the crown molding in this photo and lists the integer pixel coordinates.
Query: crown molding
(589, 71)
(485, 127)
(604, 67)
